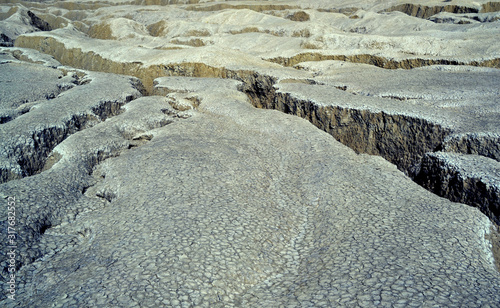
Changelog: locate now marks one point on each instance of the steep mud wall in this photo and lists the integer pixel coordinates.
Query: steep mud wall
(381, 61)
(490, 7)
(408, 142)
(485, 144)
(75, 57)
(447, 179)
(422, 11)
(401, 139)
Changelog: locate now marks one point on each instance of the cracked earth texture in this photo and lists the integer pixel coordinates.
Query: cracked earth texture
(145, 176)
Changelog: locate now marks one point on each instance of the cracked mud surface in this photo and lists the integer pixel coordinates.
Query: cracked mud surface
(301, 222)
(145, 176)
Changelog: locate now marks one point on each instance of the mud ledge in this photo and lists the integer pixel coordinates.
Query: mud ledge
(422, 11)
(382, 62)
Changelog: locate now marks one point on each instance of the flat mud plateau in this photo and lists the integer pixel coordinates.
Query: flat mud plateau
(250, 153)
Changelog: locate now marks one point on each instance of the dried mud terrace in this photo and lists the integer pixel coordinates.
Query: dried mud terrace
(192, 197)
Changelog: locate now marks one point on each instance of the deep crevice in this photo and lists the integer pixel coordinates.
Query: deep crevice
(449, 182)
(44, 227)
(38, 22)
(32, 156)
(363, 131)
(402, 140)
(106, 195)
